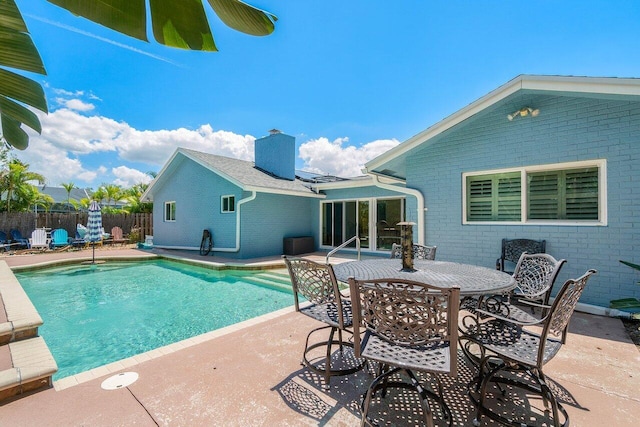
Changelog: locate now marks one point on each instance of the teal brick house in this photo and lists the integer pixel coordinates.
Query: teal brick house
(540, 157)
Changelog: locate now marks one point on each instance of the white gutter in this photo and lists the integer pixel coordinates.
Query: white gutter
(238, 205)
(215, 249)
(410, 191)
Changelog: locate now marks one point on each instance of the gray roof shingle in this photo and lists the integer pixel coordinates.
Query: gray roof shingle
(244, 174)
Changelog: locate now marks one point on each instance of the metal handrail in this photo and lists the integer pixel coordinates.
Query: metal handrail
(356, 238)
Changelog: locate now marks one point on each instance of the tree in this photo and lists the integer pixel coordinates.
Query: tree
(132, 198)
(69, 186)
(175, 23)
(14, 183)
(99, 195)
(34, 199)
(113, 193)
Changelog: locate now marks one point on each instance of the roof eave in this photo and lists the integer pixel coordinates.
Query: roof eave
(284, 192)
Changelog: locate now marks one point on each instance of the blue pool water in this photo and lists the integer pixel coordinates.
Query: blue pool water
(94, 316)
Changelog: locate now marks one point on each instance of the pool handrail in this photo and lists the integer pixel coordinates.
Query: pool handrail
(333, 251)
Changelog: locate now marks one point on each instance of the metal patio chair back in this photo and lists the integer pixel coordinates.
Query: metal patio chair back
(317, 284)
(408, 326)
(509, 347)
(535, 275)
(418, 251)
(512, 249)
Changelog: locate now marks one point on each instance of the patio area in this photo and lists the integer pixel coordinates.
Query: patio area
(250, 374)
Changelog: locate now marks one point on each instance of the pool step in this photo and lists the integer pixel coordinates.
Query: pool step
(270, 279)
(25, 366)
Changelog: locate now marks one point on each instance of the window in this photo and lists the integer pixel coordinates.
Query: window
(570, 193)
(169, 211)
(228, 204)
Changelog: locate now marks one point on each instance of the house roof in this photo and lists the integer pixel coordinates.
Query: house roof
(391, 163)
(59, 194)
(242, 173)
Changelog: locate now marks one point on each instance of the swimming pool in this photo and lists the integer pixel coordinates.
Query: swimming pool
(98, 315)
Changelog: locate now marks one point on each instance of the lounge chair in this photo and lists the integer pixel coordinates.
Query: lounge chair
(78, 241)
(39, 239)
(59, 238)
(16, 237)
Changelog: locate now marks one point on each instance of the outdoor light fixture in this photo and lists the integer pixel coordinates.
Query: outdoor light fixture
(523, 112)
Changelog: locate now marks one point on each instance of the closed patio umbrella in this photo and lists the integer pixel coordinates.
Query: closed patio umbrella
(94, 227)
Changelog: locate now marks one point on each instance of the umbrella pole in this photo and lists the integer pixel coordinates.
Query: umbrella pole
(93, 261)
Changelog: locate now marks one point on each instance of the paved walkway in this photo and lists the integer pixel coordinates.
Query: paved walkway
(250, 375)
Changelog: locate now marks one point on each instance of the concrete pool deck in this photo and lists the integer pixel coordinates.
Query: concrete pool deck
(250, 374)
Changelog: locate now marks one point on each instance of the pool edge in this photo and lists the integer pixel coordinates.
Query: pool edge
(130, 362)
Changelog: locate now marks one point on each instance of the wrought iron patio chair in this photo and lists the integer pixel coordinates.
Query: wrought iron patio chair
(509, 347)
(408, 326)
(417, 251)
(535, 275)
(318, 285)
(512, 249)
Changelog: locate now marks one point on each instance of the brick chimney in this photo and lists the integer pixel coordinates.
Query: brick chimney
(276, 154)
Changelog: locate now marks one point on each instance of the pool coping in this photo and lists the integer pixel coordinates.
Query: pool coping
(132, 361)
(129, 362)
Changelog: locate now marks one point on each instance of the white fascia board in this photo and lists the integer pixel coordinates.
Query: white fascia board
(283, 192)
(594, 85)
(568, 84)
(449, 122)
(198, 161)
(149, 189)
(356, 183)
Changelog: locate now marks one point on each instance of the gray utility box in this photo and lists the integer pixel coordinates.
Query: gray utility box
(297, 245)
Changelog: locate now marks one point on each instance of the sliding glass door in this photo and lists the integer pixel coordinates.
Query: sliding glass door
(341, 220)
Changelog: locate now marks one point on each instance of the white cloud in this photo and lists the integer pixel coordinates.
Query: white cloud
(64, 92)
(155, 147)
(75, 147)
(75, 104)
(127, 177)
(336, 158)
(90, 150)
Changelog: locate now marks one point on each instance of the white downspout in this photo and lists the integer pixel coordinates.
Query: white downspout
(238, 205)
(410, 191)
(214, 249)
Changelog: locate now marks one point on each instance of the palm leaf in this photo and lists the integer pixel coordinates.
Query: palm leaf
(244, 18)
(18, 51)
(630, 264)
(12, 132)
(176, 23)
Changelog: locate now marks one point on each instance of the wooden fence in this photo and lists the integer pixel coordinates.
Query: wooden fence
(137, 225)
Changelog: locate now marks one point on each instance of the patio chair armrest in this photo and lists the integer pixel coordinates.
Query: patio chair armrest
(506, 319)
(532, 303)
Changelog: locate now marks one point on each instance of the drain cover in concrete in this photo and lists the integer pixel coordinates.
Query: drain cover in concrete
(118, 381)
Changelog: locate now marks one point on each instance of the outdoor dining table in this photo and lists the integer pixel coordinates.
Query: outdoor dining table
(473, 280)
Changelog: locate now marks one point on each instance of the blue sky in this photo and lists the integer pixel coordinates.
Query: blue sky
(348, 79)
